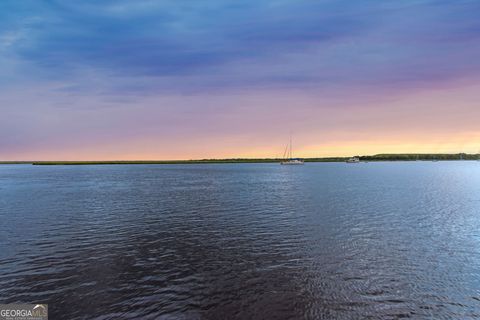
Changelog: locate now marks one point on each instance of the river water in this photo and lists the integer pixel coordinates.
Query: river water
(243, 241)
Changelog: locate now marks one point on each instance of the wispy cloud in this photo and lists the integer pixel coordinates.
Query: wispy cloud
(186, 45)
(75, 73)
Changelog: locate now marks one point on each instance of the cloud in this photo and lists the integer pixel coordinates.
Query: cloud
(188, 46)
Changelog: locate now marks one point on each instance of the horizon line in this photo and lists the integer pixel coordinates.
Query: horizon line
(245, 158)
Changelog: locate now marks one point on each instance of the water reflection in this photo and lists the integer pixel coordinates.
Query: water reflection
(257, 241)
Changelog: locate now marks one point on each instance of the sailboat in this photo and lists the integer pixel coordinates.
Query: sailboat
(353, 160)
(288, 156)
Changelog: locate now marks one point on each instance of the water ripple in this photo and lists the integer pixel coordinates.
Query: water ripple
(253, 241)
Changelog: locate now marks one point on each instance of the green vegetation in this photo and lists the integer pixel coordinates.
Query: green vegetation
(236, 160)
(378, 157)
(153, 161)
(420, 156)
(15, 162)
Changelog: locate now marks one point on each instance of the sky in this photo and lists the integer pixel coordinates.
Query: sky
(189, 79)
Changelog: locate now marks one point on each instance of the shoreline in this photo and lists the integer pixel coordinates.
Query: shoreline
(373, 158)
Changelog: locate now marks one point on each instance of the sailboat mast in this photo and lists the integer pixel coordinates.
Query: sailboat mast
(285, 152)
(290, 156)
(289, 153)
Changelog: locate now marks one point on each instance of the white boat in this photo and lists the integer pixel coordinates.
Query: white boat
(353, 160)
(292, 161)
(288, 156)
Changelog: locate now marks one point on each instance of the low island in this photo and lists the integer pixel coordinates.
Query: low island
(377, 157)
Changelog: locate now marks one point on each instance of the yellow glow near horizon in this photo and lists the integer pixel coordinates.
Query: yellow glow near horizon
(441, 120)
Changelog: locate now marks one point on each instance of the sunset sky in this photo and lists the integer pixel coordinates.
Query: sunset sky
(173, 79)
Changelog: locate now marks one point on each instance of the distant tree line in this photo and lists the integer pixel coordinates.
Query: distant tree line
(420, 156)
(377, 157)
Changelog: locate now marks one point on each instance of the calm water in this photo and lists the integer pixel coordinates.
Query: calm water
(243, 241)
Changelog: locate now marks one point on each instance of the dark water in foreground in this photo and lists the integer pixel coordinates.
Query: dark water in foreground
(243, 241)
